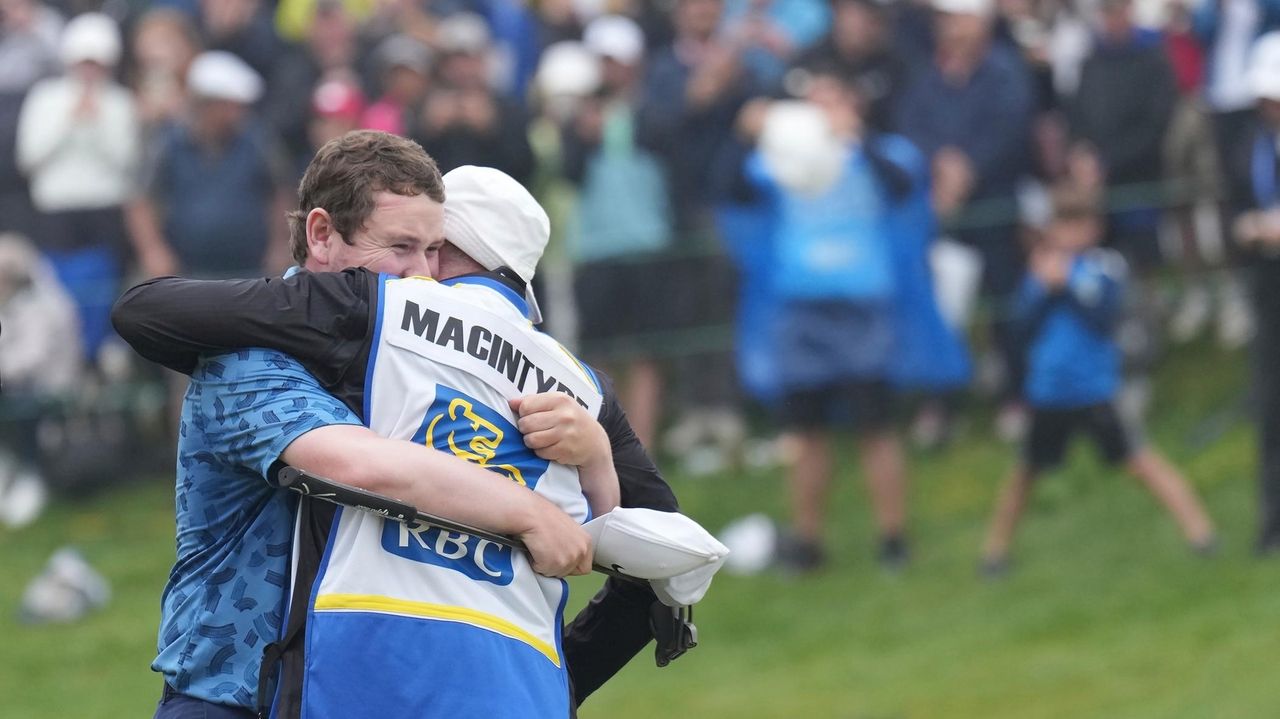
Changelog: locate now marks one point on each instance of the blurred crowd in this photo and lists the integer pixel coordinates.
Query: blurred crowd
(715, 169)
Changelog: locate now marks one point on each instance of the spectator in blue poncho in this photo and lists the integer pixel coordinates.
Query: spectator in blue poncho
(833, 284)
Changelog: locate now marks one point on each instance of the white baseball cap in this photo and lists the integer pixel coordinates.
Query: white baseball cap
(568, 69)
(649, 544)
(220, 75)
(979, 8)
(91, 37)
(463, 32)
(404, 51)
(615, 37)
(1264, 67)
(496, 222)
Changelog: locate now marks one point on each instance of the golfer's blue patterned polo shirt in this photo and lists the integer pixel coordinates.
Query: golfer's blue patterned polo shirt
(225, 596)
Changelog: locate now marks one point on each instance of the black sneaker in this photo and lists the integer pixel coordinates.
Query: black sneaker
(994, 568)
(798, 556)
(1268, 544)
(1206, 548)
(893, 553)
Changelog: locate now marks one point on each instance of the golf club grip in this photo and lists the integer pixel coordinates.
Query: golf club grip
(310, 485)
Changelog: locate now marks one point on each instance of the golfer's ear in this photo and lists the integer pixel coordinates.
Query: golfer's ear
(320, 235)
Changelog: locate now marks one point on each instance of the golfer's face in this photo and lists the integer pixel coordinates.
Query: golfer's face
(402, 237)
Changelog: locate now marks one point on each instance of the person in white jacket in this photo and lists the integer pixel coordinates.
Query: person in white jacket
(78, 145)
(40, 362)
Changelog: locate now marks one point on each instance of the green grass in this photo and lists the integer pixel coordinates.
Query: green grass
(1105, 615)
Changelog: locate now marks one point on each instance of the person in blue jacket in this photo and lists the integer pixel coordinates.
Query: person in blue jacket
(1067, 307)
(831, 324)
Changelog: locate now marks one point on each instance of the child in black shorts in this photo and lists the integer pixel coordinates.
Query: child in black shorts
(1068, 306)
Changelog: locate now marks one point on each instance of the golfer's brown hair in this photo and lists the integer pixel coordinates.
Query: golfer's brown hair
(346, 173)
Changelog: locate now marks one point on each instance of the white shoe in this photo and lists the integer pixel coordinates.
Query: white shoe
(752, 541)
(930, 428)
(1012, 423)
(764, 453)
(65, 591)
(22, 499)
(1235, 322)
(704, 461)
(115, 360)
(1191, 316)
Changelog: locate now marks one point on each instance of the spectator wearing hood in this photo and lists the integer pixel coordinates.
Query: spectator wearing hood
(78, 145)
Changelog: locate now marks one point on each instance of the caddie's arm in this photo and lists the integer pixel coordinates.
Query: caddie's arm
(438, 483)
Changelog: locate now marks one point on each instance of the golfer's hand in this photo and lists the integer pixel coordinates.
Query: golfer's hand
(558, 429)
(558, 546)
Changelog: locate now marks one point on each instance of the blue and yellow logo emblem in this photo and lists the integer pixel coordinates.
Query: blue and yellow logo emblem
(467, 428)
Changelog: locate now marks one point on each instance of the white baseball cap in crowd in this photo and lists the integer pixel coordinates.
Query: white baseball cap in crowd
(91, 37)
(979, 8)
(220, 75)
(463, 32)
(404, 51)
(496, 222)
(1264, 67)
(568, 68)
(615, 37)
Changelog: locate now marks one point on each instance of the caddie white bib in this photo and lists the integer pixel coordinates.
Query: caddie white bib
(431, 622)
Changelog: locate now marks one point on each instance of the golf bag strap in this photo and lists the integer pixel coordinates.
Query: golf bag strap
(311, 515)
(673, 631)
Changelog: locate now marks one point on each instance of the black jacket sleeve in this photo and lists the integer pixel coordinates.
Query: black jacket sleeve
(614, 627)
(322, 319)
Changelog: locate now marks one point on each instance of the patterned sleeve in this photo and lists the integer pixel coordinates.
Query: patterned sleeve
(254, 403)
